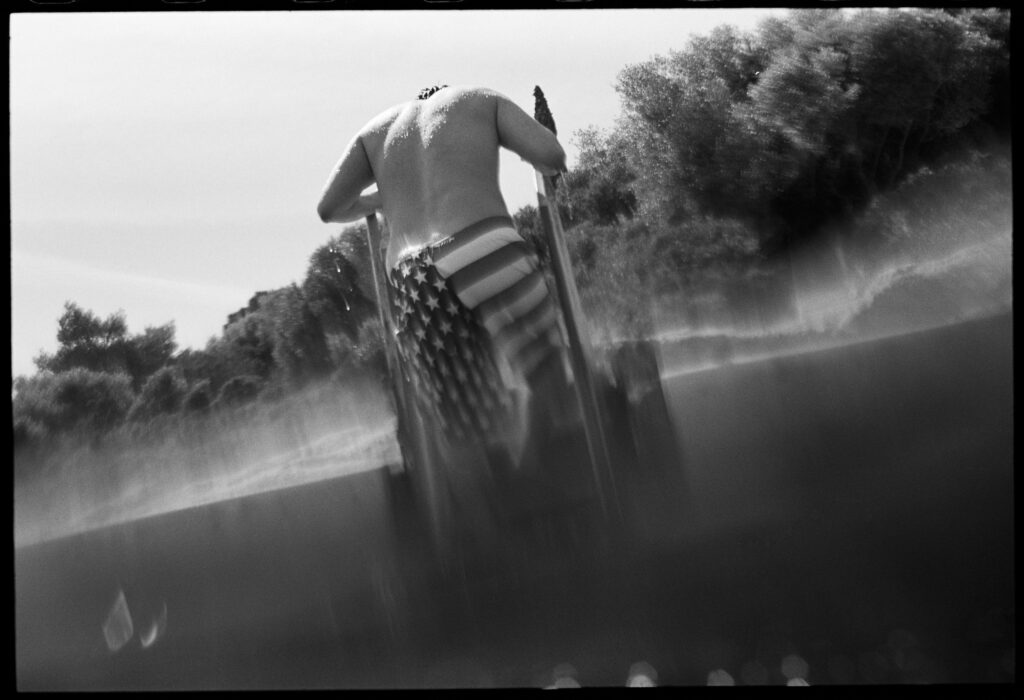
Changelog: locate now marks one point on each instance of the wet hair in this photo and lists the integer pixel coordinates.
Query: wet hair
(427, 92)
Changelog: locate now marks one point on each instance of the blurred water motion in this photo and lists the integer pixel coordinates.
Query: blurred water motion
(861, 495)
(826, 301)
(324, 434)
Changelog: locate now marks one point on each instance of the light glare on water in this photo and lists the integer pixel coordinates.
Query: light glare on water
(243, 456)
(835, 303)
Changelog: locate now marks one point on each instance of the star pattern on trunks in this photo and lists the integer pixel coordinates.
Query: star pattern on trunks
(447, 351)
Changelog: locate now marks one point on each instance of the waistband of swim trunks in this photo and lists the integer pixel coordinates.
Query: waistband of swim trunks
(483, 226)
(491, 223)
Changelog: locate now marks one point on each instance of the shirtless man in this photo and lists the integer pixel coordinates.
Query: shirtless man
(475, 321)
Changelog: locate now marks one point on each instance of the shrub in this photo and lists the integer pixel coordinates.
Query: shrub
(239, 390)
(76, 400)
(939, 210)
(199, 397)
(364, 356)
(369, 352)
(162, 393)
(275, 390)
(27, 432)
(623, 270)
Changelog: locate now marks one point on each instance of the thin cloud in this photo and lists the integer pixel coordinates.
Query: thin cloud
(26, 266)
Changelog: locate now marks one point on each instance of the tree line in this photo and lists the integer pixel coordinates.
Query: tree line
(742, 147)
(805, 119)
(730, 151)
(102, 378)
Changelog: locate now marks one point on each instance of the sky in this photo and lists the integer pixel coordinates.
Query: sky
(168, 165)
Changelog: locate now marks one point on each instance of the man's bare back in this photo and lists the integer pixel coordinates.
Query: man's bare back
(435, 163)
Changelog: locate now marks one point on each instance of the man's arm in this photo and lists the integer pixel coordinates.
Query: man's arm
(526, 137)
(342, 199)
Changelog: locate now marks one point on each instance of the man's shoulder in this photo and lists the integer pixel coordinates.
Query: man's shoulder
(382, 121)
(470, 91)
(479, 96)
(463, 99)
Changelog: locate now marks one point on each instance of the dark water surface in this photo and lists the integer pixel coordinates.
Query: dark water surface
(852, 506)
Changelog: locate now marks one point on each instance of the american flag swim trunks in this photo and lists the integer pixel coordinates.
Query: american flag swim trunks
(473, 318)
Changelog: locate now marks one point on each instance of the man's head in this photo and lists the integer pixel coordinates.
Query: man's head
(427, 92)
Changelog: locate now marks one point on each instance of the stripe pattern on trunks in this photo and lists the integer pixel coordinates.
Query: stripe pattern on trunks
(465, 306)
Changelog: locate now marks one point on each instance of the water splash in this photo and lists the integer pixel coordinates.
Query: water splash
(836, 303)
(91, 489)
